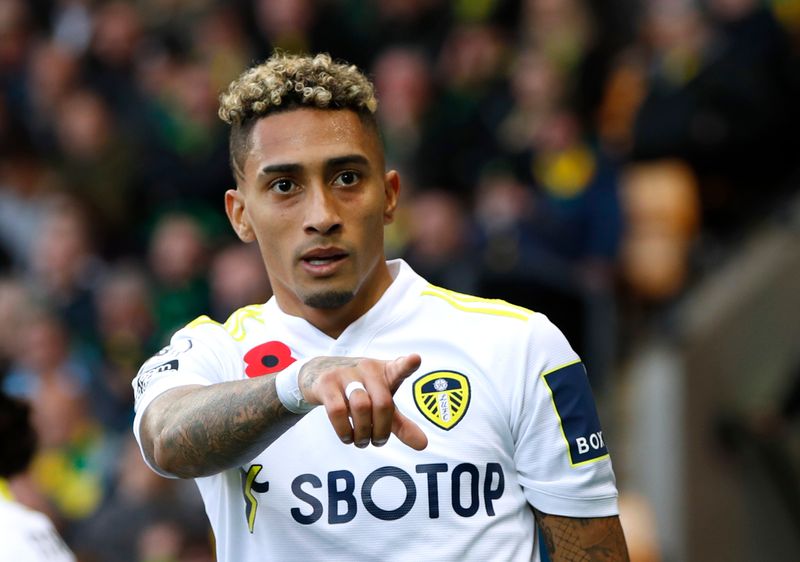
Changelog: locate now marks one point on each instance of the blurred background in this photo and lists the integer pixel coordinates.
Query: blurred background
(631, 168)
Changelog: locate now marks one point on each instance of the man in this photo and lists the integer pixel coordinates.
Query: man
(493, 422)
(27, 535)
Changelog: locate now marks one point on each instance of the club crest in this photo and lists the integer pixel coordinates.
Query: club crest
(442, 397)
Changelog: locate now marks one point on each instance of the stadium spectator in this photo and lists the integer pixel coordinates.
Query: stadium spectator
(15, 301)
(237, 279)
(178, 257)
(126, 335)
(403, 78)
(27, 185)
(65, 269)
(92, 156)
(139, 503)
(440, 245)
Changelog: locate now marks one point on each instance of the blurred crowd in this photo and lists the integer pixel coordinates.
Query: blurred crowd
(584, 159)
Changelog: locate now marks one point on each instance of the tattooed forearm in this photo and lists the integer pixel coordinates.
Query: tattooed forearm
(570, 539)
(199, 431)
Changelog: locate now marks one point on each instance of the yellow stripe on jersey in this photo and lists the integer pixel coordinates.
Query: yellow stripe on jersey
(234, 325)
(564, 366)
(235, 322)
(469, 303)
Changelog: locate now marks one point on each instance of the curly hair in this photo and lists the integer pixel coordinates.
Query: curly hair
(287, 81)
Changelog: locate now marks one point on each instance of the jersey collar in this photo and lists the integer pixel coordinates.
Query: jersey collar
(384, 312)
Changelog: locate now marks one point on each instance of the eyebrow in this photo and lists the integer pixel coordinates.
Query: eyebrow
(280, 169)
(293, 168)
(347, 159)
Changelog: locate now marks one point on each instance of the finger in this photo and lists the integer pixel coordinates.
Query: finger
(336, 408)
(398, 370)
(382, 410)
(360, 405)
(408, 432)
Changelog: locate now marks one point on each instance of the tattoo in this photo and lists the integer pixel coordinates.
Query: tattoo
(209, 429)
(574, 539)
(547, 533)
(312, 370)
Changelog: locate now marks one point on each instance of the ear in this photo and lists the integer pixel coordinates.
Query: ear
(235, 208)
(391, 186)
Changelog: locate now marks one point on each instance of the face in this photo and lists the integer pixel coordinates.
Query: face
(315, 197)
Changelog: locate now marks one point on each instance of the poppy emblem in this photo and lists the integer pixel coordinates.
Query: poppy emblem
(267, 358)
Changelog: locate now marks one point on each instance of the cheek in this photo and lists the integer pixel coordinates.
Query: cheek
(275, 252)
(273, 240)
(373, 224)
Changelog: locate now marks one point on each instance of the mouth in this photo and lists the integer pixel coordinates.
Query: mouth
(322, 261)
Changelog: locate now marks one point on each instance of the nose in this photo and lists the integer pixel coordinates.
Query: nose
(322, 212)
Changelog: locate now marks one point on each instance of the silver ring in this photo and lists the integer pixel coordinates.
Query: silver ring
(351, 387)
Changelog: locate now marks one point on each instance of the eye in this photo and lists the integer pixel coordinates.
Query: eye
(346, 178)
(283, 185)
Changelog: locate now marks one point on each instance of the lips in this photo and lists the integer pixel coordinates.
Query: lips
(324, 255)
(323, 260)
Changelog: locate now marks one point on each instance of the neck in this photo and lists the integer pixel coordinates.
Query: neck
(334, 321)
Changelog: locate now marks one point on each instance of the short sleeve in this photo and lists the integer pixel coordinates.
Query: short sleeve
(194, 356)
(560, 453)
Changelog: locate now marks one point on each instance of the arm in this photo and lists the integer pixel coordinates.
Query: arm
(195, 431)
(572, 539)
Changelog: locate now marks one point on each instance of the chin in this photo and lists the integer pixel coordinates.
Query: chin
(328, 299)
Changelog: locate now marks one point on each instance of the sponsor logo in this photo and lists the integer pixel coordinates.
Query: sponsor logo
(144, 377)
(250, 485)
(338, 497)
(171, 365)
(574, 405)
(442, 397)
(593, 443)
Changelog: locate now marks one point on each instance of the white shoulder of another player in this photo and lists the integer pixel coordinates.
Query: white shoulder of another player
(31, 535)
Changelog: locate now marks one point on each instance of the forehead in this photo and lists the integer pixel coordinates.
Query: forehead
(310, 136)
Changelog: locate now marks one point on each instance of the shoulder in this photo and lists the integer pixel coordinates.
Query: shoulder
(470, 306)
(204, 348)
(21, 516)
(31, 536)
(234, 328)
(214, 335)
(489, 316)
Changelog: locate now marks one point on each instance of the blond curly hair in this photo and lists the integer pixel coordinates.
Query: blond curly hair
(287, 81)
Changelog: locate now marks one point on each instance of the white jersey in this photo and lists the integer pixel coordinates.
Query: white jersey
(29, 536)
(504, 401)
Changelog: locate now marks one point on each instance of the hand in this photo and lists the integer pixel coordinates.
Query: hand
(323, 381)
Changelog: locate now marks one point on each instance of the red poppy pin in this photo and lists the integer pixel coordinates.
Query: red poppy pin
(267, 358)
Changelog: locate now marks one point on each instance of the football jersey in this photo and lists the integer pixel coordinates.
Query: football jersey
(503, 399)
(29, 536)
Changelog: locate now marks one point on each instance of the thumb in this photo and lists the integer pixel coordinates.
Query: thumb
(397, 370)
